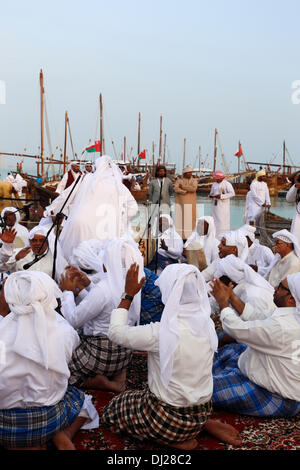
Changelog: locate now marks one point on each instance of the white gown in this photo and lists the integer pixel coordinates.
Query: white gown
(258, 195)
(221, 207)
(291, 197)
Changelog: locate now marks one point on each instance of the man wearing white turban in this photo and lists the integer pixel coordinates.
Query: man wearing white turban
(102, 207)
(36, 404)
(221, 193)
(287, 258)
(259, 198)
(203, 237)
(72, 173)
(232, 243)
(176, 406)
(40, 249)
(98, 362)
(260, 375)
(12, 217)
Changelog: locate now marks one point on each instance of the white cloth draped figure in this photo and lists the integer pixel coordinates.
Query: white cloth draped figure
(22, 232)
(208, 242)
(293, 281)
(88, 257)
(170, 236)
(185, 298)
(102, 207)
(293, 196)
(259, 255)
(258, 196)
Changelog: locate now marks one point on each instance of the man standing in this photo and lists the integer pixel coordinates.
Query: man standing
(259, 198)
(221, 193)
(160, 190)
(293, 195)
(186, 203)
(69, 177)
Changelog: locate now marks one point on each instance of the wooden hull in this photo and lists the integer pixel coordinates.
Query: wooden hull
(271, 223)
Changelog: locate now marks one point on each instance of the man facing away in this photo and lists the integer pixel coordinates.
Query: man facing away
(258, 199)
(221, 193)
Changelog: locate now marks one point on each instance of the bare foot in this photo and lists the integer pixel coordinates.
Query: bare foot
(186, 445)
(121, 379)
(224, 432)
(62, 441)
(100, 382)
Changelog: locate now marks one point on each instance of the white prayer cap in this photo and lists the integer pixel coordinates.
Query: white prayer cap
(11, 209)
(260, 173)
(237, 270)
(31, 296)
(188, 169)
(248, 231)
(293, 281)
(238, 239)
(184, 294)
(288, 237)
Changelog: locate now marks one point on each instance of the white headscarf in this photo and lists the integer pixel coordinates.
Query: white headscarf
(119, 254)
(208, 242)
(31, 296)
(293, 281)
(185, 296)
(248, 231)
(170, 233)
(288, 237)
(237, 270)
(12, 209)
(238, 239)
(89, 256)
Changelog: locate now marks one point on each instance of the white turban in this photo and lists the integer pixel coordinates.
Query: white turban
(38, 230)
(248, 231)
(184, 294)
(293, 281)
(238, 239)
(288, 237)
(89, 256)
(237, 270)
(31, 296)
(119, 254)
(12, 209)
(170, 233)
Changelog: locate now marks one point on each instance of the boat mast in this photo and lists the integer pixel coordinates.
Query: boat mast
(165, 147)
(124, 155)
(65, 144)
(42, 91)
(139, 136)
(284, 153)
(160, 140)
(184, 152)
(102, 149)
(199, 160)
(215, 149)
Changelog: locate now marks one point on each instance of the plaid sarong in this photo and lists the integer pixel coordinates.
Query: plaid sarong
(151, 304)
(31, 427)
(142, 414)
(234, 392)
(97, 355)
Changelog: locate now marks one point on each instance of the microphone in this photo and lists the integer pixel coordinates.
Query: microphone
(28, 265)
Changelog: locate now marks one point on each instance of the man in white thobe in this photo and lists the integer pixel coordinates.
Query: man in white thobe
(259, 256)
(293, 195)
(221, 193)
(258, 199)
(286, 260)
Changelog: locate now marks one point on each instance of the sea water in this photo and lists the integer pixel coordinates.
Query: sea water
(279, 206)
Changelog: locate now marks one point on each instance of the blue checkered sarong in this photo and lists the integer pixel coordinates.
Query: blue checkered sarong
(162, 262)
(234, 392)
(31, 427)
(151, 303)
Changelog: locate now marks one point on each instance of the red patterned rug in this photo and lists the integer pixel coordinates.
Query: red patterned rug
(257, 434)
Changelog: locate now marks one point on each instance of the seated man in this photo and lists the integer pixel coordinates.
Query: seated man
(203, 241)
(170, 244)
(176, 407)
(287, 259)
(36, 404)
(232, 243)
(259, 256)
(12, 217)
(98, 362)
(261, 375)
(40, 249)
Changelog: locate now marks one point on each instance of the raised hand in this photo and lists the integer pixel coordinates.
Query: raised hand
(8, 235)
(81, 277)
(132, 286)
(221, 292)
(22, 253)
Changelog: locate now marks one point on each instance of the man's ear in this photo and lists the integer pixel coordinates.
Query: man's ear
(236, 251)
(290, 301)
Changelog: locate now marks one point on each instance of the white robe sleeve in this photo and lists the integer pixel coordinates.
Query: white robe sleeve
(229, 191)
(139, 338)
(291, 194)
(62, 184)
(57, 204)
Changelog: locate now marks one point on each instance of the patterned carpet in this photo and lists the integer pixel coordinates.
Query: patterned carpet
(257, 434)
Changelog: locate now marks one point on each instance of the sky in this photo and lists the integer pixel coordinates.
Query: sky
(225, 64)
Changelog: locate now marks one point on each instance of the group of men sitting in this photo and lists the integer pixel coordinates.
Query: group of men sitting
(77, 332)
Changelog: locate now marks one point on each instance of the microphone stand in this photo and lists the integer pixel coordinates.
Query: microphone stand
(58, 216)
(157, 228)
